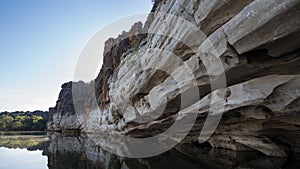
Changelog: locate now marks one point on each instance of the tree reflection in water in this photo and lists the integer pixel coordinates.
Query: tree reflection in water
(77, 151)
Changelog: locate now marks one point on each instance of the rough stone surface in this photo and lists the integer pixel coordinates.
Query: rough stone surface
(112, 55)
(252, 43)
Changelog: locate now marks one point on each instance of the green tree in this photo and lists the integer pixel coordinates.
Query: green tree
(36, 119)
(5, 122)
(38, 122)
(27, 123)
(20, 118)
(17, 125)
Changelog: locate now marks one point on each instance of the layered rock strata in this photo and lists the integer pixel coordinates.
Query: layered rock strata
(189, 49)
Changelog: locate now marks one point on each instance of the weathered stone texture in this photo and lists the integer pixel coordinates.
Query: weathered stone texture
(189, 44)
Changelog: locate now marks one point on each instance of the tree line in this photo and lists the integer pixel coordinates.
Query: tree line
(28, 121)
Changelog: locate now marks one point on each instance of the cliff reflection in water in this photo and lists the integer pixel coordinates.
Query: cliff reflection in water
(67, 151)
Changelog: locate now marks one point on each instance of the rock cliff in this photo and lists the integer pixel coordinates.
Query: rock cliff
(237, 59)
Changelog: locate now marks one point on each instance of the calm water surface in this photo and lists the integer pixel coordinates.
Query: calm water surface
(63, 151)
(23, 150)
(11, 158)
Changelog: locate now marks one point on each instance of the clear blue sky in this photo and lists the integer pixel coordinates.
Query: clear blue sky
(41, 40)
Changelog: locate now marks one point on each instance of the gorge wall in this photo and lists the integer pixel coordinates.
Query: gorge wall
(142, 90)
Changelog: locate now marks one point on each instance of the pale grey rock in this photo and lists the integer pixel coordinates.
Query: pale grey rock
(235, 58)
(263, 22)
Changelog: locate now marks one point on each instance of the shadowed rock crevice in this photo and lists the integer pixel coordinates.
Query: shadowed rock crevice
(142, 88)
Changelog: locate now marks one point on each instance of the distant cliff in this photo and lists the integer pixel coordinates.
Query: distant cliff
(257, 46)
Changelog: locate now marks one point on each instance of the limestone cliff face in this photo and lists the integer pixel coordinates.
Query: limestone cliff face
(255, 41)
(63, 116)
(114, 51)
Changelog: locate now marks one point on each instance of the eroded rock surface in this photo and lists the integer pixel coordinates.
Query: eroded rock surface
(239, 57)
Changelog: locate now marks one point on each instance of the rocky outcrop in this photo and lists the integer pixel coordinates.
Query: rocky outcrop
(63, 116)
(206, 59)
(114, 51)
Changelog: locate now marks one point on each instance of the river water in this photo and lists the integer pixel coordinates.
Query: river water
(65, 151)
